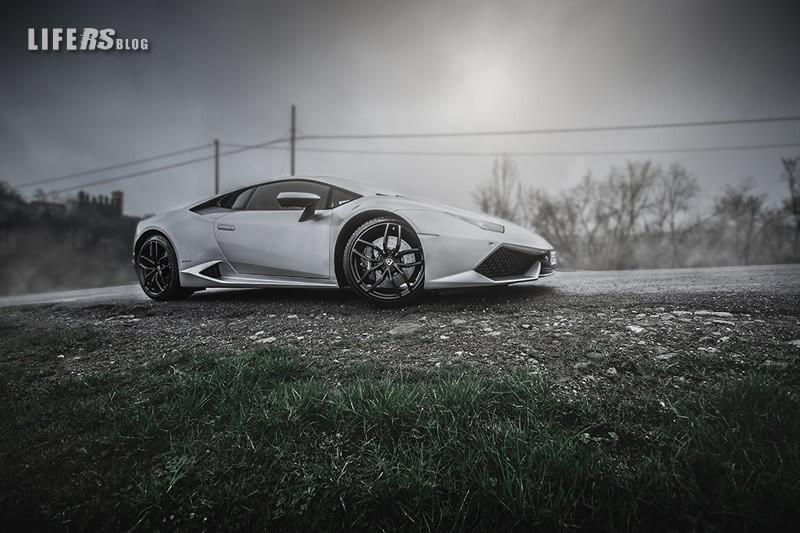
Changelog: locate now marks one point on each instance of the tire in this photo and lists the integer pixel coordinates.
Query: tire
(157, 270)
(384, 263)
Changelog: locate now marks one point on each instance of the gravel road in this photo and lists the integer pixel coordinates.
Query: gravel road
(578, 327)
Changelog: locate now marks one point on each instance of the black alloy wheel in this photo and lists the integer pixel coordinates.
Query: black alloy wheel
(157, 269)
(384, 263)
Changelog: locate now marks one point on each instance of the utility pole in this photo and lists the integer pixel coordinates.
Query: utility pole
(291, 142)
(216, 166)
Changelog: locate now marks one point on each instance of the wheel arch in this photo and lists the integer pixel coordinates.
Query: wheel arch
(146, 235)
(344, 234)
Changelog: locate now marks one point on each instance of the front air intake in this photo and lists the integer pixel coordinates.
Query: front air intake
(507, 262)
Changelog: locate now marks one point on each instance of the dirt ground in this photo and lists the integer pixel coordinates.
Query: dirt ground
(582, 329)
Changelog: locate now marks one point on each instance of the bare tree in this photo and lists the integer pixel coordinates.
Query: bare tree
(739, 213)
(627, 197)
(499, 196)
(11, 207)
(675, 191)
(575, 223)
(640, 215)
(792, 204)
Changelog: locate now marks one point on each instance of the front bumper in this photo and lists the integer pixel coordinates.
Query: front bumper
(504, 264)
(459, 254)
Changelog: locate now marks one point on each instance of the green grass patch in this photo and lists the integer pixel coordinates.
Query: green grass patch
(259, 441)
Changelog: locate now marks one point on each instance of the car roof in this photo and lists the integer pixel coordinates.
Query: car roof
(343, 183)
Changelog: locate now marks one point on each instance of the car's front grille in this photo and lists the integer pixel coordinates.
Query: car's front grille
(507, 262)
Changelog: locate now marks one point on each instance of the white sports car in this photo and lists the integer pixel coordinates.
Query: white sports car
(331, 232)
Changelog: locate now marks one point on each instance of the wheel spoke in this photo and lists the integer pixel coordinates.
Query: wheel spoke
(368, 272)
(399, 236)
(160, 281)
(149, 283)
(409, 251)
(362, 256)
(376, 248)
(145, 258)
(396, 288)
(414, 264)
(378, 282)
(405, 278)
(386, 239)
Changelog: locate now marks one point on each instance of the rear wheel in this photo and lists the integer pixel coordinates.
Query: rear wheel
(157, 269)
(383, 262)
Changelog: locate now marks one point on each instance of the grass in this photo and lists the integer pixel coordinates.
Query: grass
(258, 440)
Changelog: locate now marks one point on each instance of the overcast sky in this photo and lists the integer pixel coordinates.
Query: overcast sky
(231, 70)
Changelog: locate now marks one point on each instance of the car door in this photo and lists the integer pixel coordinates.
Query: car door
(267, 239)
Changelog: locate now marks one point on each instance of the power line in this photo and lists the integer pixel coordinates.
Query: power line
(552, 153)
(553, 130)
(167, 167)
(113, 167)
(241, 148)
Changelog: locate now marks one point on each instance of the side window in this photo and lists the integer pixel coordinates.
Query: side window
(265, 197)
(236, 199)
(340, 197)
(241, 199)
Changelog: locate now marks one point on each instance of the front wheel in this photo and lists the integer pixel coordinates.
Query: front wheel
(383, 262)
(157, 270)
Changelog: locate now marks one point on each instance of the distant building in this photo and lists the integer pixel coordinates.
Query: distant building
(110, 206)
(41, 208)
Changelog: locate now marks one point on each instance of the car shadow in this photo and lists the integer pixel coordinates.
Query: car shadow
(479, 296)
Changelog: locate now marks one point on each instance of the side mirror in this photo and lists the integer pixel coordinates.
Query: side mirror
(305, 200)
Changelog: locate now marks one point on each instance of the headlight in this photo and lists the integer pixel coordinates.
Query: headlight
(483, 224)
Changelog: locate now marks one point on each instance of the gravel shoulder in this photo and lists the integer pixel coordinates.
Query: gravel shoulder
(585, 330)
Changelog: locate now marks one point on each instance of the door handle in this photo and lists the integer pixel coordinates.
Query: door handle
(226, 227)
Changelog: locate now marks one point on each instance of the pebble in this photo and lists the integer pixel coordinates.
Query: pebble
(403, 329)
(705, 312)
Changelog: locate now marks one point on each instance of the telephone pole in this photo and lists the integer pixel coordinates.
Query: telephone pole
(216, 166)
(291, 143)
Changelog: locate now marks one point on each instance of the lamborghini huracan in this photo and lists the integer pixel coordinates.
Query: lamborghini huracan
(332, 232)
